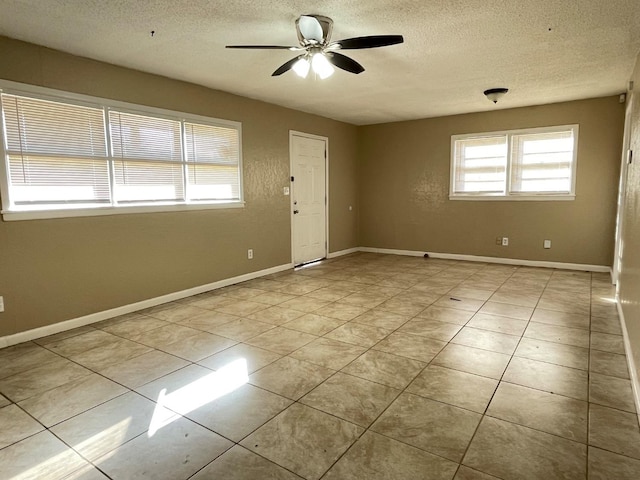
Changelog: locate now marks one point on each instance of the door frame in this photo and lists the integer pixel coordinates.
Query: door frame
(622, 189)
(295, 133)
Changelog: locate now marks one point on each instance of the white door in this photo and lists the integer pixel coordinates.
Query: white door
(308, 197)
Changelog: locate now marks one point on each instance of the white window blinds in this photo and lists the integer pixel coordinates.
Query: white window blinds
(63, 154)
(538, 163)
(56, 153)
(480, 165)
(542, 162)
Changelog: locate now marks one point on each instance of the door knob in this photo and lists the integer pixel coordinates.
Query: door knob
(295, 211)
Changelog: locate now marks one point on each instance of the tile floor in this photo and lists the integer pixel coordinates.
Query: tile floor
(364, 367)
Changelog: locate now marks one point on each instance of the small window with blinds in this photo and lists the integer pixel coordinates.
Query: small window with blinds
(75, 155)
(533, 164)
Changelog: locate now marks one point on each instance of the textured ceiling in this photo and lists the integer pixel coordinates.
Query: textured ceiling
(544, 51)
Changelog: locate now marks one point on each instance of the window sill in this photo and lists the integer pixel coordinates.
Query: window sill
(513, 198)
(17, 215)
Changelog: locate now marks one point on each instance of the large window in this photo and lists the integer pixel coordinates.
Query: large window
(534, 164)
(66, 156)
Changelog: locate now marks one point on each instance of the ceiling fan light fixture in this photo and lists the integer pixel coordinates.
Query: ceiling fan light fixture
(301, 67)
(495, 94)
(321, 65)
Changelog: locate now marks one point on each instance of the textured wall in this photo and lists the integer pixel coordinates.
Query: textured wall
(629, 279)
(404, 188)
(55, 270)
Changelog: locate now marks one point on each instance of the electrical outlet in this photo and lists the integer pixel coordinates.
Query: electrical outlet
(505, 241)
(286, 190)
(1, 304)
(498, 240)
(547, 244)
(250, 254)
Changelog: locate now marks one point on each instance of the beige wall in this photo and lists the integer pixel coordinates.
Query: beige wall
(55, 270)
(404, 188)
(629, 279)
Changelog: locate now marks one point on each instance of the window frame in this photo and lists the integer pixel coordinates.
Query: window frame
(508, 195)
(10, 213)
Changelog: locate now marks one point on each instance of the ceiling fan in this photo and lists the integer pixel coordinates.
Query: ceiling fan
(319, 53)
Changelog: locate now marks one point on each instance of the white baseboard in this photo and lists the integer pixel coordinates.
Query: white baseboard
(341, 253)
(633, 372)
(133, 307)
(505, 261)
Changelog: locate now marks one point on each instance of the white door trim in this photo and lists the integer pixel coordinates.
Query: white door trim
(622, 190)
(293, 133)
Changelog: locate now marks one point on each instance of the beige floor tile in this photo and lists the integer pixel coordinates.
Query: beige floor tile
(456, 388)
(81, 343)
(186, 447)
(135, 325)
(459, 303)
(540, 410)
(175, 313)
(513, 452)
(376, 457)
(242, 308)
(567, 303)
(351, 398)
(314, 324)
(473, 293)
(438, 428)
(305, 304)
(507, 310)
(606, 342)
(448, 315)
(466, 473)
(77, 396)
(614, 430)
(384, 368)
(328, 353)
(605, 465)
(110, 425)
(41, 456)
(242, 292)
(255, 357)
(329, 294)
(208, 321)
(606, 325)
(515, 299)
(143, 369)
(197, 347)
(211, 301)
(41, 378)
(239, 412)
(564, 355)
(486, 340)
(609, 364)
(16, 425)
(289, 377)
(110, 354)
(276, 315)
(4, 401)
(281, 340)
(382, 319)
(473, 360)
(291, 440)
(611, 392)
(608, 310)
(159, 337)
(173, 382)
(548, 377)
(341, 311)
(66, 334)
(562, 319)
(554, 333)
(411, 346)
(358, 334)
(88, 472)
(29, 359)
(273, 298)
(238, 463)
(404, 306)
(431, 329)
(498, 324)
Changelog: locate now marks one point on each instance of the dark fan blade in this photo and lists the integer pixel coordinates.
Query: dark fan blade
(344, 62)
(372, 41)
(265, 47)
(285, 67)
